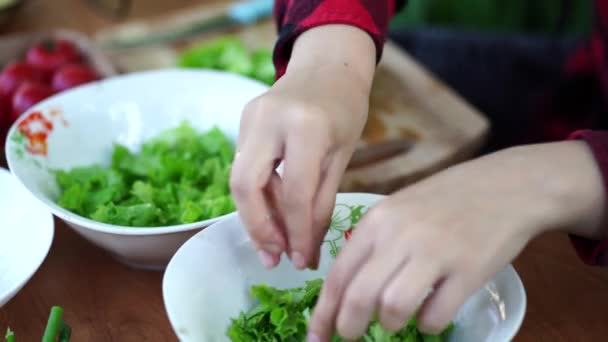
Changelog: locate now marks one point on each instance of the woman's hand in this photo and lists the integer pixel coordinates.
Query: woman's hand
(452, 233)
(310, 120)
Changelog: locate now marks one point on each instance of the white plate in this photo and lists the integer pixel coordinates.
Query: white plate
(208, 280)
(26, 234)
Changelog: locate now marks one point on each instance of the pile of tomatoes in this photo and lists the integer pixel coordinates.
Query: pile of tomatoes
(48, 67)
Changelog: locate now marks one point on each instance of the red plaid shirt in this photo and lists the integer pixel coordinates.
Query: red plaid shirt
(590, 62)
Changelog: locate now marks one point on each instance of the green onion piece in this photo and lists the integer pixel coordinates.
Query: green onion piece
(66, 332)
(53, 325)
(10, 335)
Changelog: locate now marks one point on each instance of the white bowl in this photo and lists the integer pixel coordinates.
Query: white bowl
(208, 280)
(130, 109)
(26, 234)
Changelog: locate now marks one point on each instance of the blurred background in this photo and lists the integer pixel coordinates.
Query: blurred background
(542, 17)
(503, 56)
(548, 17)
(499, 55)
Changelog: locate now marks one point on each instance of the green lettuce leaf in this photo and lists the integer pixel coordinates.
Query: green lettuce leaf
(229, 54)
(283, 315)
(179, 176)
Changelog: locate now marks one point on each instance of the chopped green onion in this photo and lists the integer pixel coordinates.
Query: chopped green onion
(10, 335)
(53, 325)
(66, 332)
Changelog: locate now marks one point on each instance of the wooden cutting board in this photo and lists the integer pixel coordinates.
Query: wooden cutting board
(406, 103)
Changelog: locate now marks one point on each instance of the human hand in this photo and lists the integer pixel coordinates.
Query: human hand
(451, 233)
(310, 120)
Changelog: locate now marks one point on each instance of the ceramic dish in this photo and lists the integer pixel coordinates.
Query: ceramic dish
(79, 128)
(208, 280)
(26, 234)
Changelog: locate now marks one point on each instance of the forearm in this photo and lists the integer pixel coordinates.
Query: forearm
(296, 17)
(336, 51)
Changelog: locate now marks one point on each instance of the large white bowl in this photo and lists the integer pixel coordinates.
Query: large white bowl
(208, 280)
(26, 234)
(130, 109)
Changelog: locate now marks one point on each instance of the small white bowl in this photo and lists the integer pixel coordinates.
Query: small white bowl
(208, 281)
(26, 234)
(80, 126)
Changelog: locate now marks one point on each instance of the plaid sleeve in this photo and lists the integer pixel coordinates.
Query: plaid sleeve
(590, 251)
(296, 16)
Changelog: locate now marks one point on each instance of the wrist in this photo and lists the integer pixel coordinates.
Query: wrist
(587, 193)
(569, 187)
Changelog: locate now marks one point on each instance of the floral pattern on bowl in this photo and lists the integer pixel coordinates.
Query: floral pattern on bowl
(30, 139)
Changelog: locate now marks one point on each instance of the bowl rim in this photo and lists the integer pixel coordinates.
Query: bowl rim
(521, 288)
(81, 221)
(7, 295)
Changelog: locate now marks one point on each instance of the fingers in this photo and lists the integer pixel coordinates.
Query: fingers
(390, 285)
(405, 293)
(325, 200)
(302, 170)
(440, 308)
(364, 292)
(353, 255)
(376, 274)
(251, 172)
(273, 196)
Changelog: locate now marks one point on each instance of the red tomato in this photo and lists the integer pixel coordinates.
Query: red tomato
(50, 55)
(5, 109)
(73, 75)
(28, 95)
(14, 74)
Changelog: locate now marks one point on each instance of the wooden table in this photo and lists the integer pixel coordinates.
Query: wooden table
(105, 301)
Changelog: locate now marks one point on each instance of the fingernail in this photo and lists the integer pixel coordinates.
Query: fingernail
(266, 258)
(298, 260)
(312, 338)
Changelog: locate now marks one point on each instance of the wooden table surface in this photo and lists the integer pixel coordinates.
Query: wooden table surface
(106, 301)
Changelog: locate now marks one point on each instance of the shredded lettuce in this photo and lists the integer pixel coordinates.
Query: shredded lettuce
(283, 314)
(180, 176)
(229, 54)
